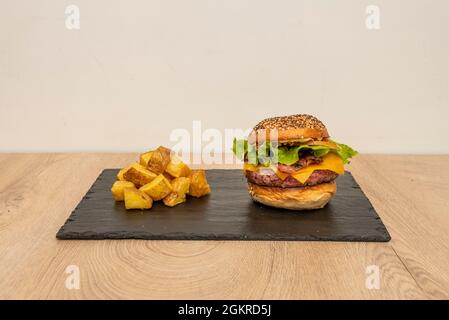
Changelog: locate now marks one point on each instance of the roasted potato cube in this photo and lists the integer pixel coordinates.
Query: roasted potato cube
(174, 199)
(139, 175)
(198, 184)
(136, 199)
(122, 172)
(118, 189)
(145, 157)
(157, 189)
(181, 185)
(168, 176)
(158, 160)
(166, 151)
(178, 195)
(176, 168)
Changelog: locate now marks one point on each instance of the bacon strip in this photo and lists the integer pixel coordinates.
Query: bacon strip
(301, 163)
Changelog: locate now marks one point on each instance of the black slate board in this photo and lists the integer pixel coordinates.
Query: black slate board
(227, 213)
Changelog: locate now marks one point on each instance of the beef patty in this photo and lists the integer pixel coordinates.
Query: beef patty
(272, 180)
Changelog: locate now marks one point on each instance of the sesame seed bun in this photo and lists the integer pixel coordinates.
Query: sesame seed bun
(306, 198)
(290, 129)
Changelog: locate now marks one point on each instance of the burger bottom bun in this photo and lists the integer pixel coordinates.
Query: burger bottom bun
(305, 198)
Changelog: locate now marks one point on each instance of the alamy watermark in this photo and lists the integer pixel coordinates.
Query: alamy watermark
(372, 20)
(213, 146)
(72, 17)
(372, 280)
(72, 282)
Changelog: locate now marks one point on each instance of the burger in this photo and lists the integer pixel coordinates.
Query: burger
(290, 162)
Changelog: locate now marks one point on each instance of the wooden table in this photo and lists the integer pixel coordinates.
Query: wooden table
(39, 191)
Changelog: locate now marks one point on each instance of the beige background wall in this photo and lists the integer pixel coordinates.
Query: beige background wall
(138, 69)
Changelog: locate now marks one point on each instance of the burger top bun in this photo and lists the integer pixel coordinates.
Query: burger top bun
(289, 129)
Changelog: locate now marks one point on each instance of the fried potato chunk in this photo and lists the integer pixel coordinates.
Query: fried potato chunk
(168, 176)
(136, 199)
(178, 195)
(139, 175)
(145, 158)
(122, 172)
(118, 189)
(181, 185)
(198, 184)
(157, 189)
(159, 159)
(174, 199)
(176, 168)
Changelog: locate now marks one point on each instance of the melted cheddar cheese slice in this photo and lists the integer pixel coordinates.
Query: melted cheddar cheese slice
(331, 162)
(250, 167)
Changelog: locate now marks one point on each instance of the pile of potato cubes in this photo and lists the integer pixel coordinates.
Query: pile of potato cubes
(159, 175)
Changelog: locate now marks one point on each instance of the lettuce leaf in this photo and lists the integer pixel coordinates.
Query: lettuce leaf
(289, 155)
(345, 152)
(240, 148)
(268, 153)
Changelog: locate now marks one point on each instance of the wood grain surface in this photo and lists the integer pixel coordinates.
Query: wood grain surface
(38, 192)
